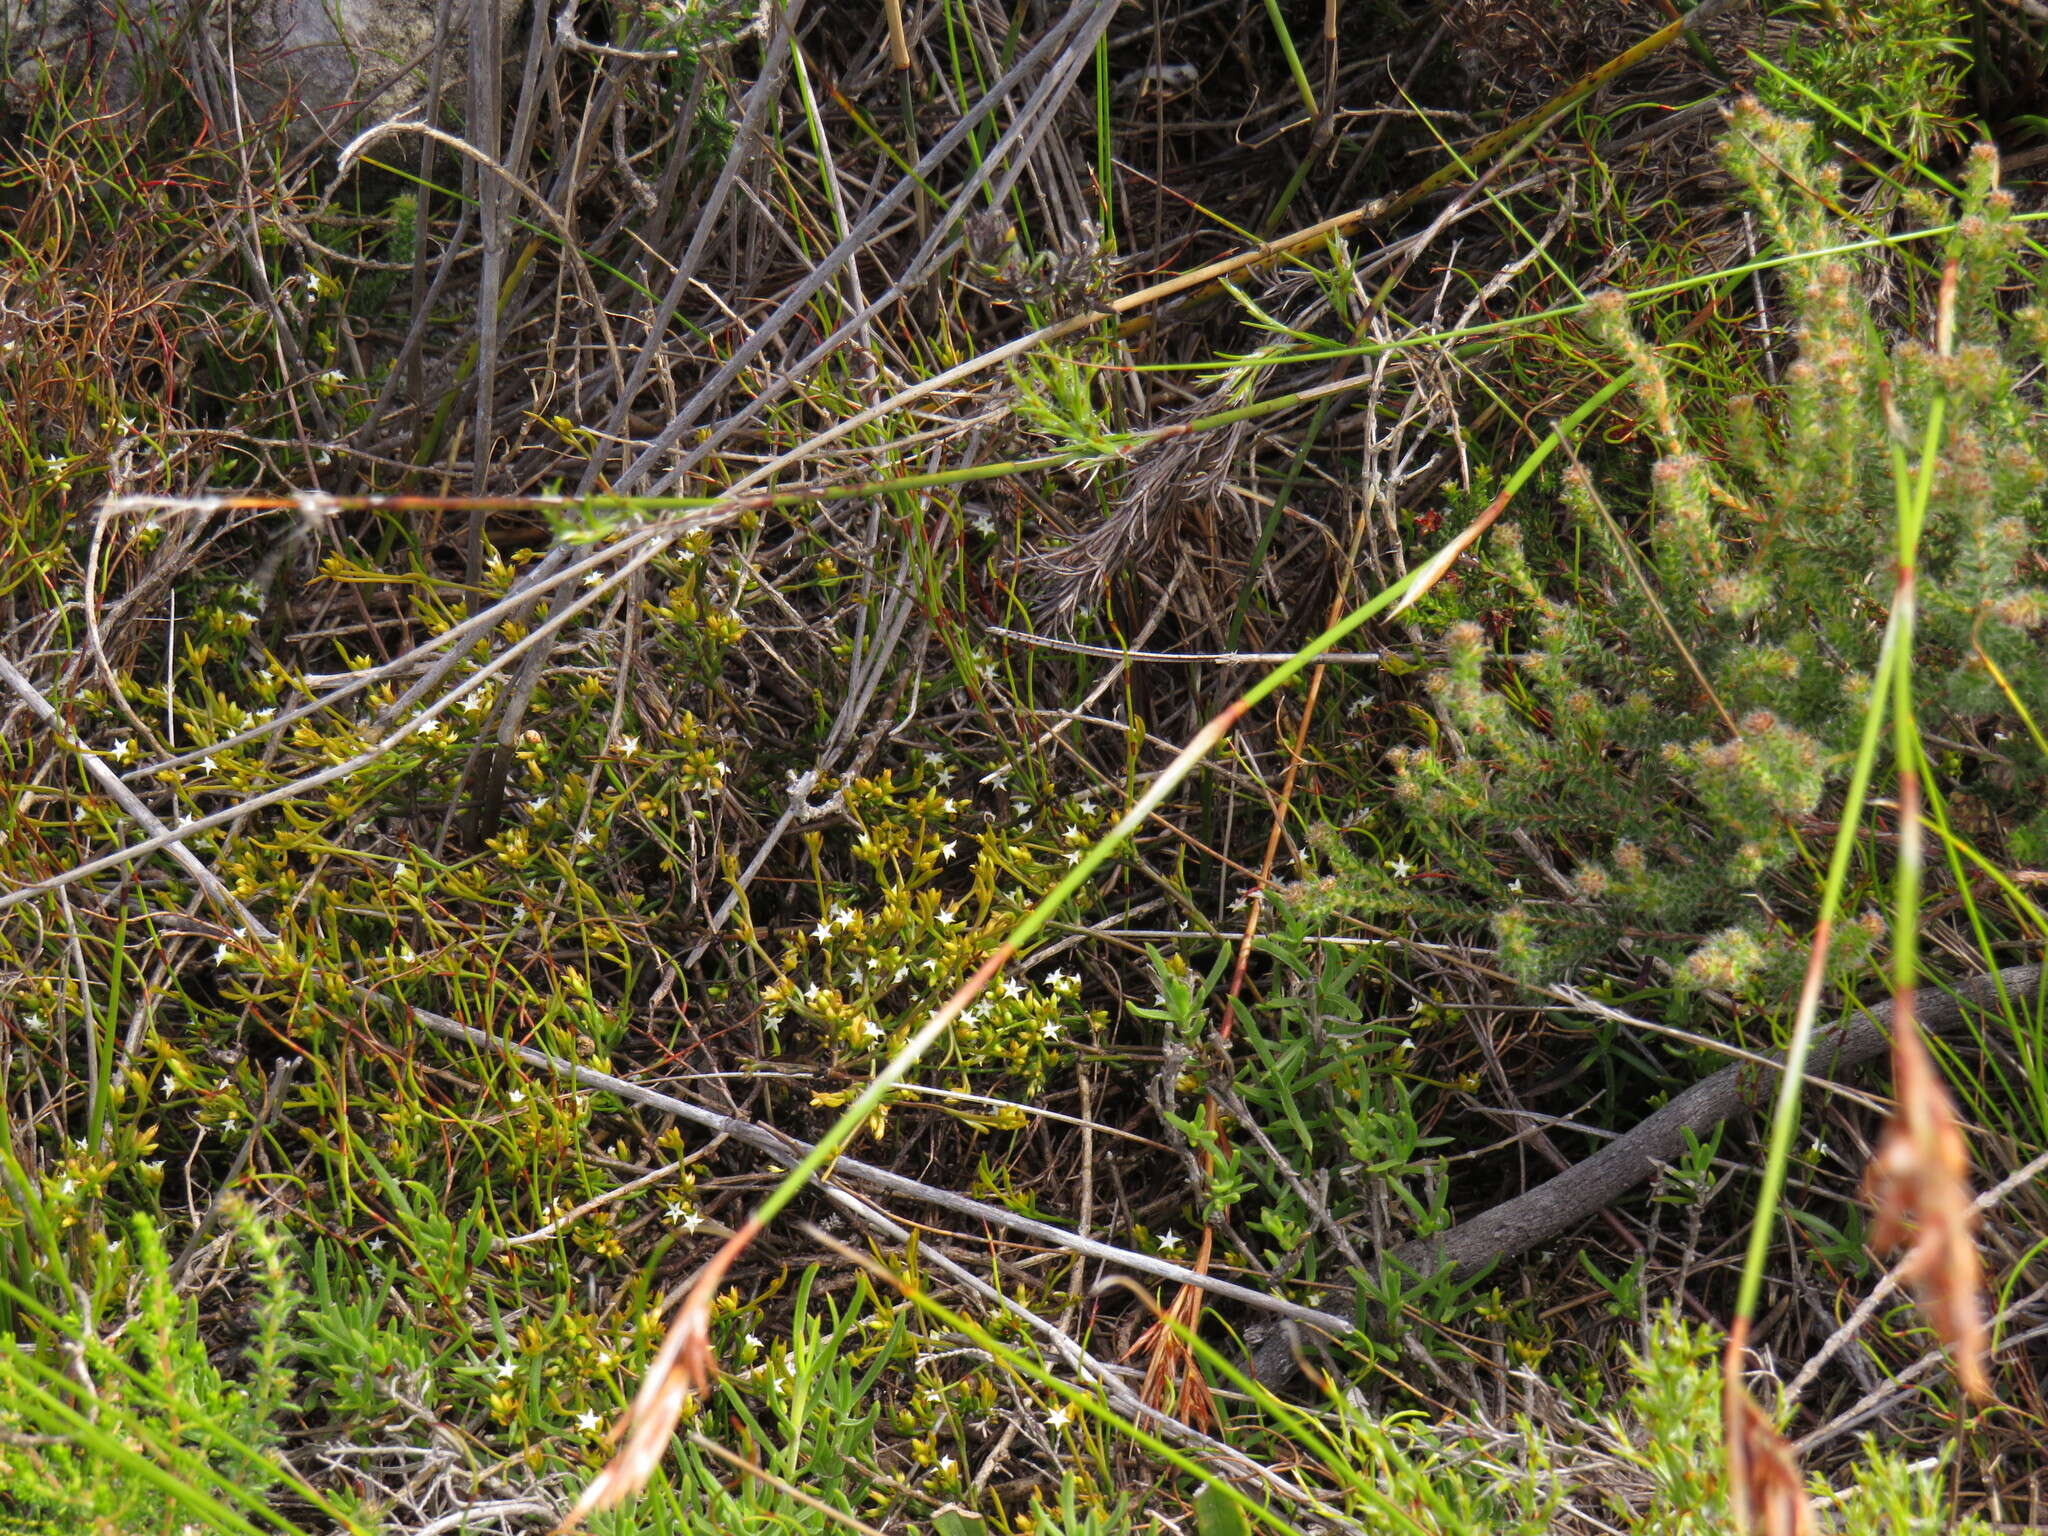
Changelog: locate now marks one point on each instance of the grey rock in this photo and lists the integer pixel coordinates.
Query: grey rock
(337, 64)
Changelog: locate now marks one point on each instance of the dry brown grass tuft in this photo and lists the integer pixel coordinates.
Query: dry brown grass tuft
(1918, 1187)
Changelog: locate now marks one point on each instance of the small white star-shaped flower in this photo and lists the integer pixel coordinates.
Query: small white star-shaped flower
(1049, 1030)
(585, 837)
(628, 746)
(947, 916)
(948, 848)
(692, 1221)
(588, 1421)
(1169, 1241)
(870, 1030)
(1399, 867)
(822, 932)
(1515, 886)
(505, 1369)
(1060, 1417)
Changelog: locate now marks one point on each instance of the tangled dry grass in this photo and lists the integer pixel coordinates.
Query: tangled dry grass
(593, 605)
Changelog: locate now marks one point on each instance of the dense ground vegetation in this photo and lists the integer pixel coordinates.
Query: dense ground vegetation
(539, 644)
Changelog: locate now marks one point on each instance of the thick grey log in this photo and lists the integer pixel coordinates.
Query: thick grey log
(1632, 1159)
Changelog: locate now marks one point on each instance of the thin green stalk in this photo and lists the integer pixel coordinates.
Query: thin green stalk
(1785, 1112)
(101, 1043)
(1960, 850)
(33, 1230)
(1105, 142)
(1894, 655)
(1906, 750)
(1541, 317)
(1301, 85)
(1288, 193)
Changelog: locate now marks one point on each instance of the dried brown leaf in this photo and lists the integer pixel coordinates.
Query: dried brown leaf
(1918, 1186)
(1765, 1492)
(681, 1369)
